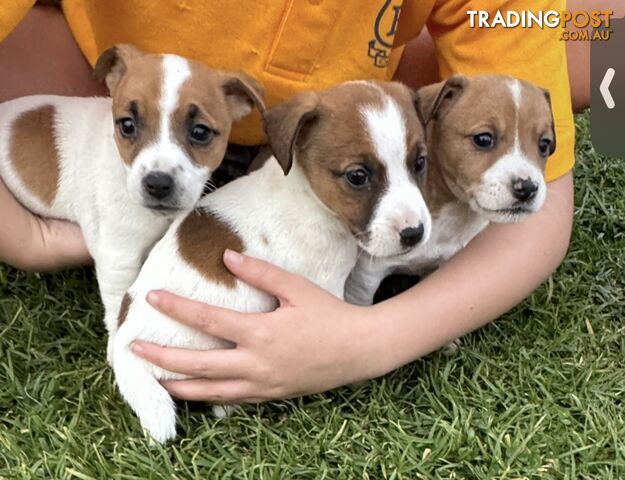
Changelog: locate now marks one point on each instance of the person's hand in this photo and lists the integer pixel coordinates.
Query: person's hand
(30, 242)
(311, 343)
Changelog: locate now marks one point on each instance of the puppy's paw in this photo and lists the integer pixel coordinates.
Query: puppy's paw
(110, 346)
(223, 411)
(160, 427)
(451, 348)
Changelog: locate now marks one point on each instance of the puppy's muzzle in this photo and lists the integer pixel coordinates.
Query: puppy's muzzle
(158, 185)
(524, 190)
(411, 236)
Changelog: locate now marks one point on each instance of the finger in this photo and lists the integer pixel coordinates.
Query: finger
(214, 321)
(220, 363)
(216, 391)
(264, 275)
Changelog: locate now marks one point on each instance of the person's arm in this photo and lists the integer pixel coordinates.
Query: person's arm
(30, 242)
(314, 342)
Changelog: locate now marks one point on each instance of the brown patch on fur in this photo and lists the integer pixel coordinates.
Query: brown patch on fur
(327, 134)
(484, 104)
(264, 239)
(123, 309)
(202, 240)
(34, 153)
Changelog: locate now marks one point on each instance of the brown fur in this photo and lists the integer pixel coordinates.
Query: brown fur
(216, 99)
(202, 240)
(123, 309)
(34, 153)
(471, 106)
(113, 63)
(140, 86)
(322, 129)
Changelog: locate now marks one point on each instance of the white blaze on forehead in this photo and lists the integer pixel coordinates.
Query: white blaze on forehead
(176, 70)
(387, 130)
(515, 89)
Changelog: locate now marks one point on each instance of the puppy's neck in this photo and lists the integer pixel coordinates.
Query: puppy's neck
(300, 201)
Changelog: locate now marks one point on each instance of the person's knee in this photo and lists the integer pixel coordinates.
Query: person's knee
(56, 66)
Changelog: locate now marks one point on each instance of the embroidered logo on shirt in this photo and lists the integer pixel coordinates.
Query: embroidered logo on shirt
(384, 30)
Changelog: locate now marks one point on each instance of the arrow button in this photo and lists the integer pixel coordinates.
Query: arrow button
(604, 88)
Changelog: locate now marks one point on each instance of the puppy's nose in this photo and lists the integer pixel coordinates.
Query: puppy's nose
(411, 236)
(525, 189)
(158, 184)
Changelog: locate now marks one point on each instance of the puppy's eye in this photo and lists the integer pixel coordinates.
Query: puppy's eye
(127, 127)
(200, 134)
(420, 163)
(358, 177)
(484, 141)
(544, 147)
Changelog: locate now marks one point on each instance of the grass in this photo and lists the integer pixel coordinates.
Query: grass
(537, 394)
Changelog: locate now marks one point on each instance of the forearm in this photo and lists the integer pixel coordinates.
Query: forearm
(33, 243)
(496, 271)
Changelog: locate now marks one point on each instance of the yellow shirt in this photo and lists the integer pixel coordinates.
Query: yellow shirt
(295, 45)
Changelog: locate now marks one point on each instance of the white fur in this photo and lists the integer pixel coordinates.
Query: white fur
(401, 205)
(95, 188)
(316, 245)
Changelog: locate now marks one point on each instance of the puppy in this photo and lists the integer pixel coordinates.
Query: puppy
(489, 138)
(123, 167)
(354, 155)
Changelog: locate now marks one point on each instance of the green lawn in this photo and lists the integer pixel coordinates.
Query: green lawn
(537, 394)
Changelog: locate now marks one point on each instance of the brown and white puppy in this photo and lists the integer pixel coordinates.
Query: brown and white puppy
(123, 167)
(354, 155)
(489, 137)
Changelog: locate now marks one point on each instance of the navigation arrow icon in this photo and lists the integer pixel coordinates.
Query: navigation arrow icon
(604, 88)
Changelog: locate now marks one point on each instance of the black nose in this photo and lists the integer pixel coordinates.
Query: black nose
(411, 236)
(524, 190)
(158, 184)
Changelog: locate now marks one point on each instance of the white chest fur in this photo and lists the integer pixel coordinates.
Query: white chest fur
(453, 228)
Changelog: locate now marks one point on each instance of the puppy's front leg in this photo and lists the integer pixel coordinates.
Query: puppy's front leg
(364, 280)
(115, 276)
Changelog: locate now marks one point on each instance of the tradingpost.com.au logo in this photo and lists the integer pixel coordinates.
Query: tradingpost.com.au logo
(582, 19)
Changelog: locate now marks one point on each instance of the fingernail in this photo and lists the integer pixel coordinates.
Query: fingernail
(232, 256)
(153, 297)
(136, 347)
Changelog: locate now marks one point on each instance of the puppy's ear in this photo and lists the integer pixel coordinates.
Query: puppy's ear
(287, 126)
(552, 148)
(113, 63)
(433, 101)
(242, 94)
